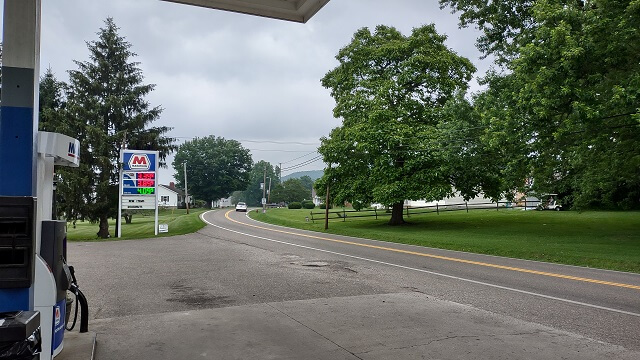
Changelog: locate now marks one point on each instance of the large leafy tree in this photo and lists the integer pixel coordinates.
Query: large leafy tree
(289, 191)
(215, 167)
(391, 92)
(106, 109)
(568, 95)
(505, 25)
(307, 182)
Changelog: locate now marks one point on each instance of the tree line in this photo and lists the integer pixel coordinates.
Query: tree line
(558, 114)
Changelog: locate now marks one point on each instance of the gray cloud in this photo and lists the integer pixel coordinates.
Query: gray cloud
(237, 76)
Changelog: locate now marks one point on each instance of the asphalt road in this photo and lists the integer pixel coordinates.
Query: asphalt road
(240, 289)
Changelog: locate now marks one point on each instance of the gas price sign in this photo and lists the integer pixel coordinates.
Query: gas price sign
(139, 172)
(138, 183)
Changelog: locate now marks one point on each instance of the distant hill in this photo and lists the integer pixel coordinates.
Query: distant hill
(313, 174)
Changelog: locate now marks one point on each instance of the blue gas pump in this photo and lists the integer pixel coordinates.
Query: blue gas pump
(52, 276)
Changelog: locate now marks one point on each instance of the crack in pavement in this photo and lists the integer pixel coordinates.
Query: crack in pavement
(456, 337)
(314, 331)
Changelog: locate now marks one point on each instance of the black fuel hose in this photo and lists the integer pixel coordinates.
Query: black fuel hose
(80, 300)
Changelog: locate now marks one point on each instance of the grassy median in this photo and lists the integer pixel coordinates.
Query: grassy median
(607, 240)
(142, 225)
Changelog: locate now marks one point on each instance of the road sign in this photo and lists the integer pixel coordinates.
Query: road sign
(264, 201)
(163, 228)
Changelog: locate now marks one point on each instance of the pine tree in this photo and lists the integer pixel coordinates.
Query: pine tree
(52, 103)
(106, 108)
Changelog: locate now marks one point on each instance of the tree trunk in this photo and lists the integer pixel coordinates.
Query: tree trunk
(103, 233)
(397, 215)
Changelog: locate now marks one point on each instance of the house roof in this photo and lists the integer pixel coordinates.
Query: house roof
(172, 188)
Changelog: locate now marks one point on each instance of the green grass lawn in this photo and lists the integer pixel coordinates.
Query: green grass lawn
(142, 225)
(607, 240)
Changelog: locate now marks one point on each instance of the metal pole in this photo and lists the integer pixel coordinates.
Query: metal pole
(269, 192)
(155, 191)
(186, 194)
(326, 209)
(19, 121)
(119, 223)
(264, 189)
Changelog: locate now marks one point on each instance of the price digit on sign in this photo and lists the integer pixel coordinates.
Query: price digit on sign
(146, 191)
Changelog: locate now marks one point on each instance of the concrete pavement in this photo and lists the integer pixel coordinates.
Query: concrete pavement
(368, 327)
(223, 295)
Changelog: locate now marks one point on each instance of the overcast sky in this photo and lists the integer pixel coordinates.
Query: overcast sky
(242, 77)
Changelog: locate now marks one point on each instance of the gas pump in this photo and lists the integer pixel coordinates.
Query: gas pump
(52, 275)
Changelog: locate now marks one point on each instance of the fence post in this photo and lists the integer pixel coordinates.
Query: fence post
(497, 205)
(376, 211)
(466, 205)
(437, 209)
(311, 212)
(407, 210)
(344, 215)
(525, 204)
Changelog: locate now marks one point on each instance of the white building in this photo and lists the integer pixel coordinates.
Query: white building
(220, 203)
(457, 199)
(169, 196)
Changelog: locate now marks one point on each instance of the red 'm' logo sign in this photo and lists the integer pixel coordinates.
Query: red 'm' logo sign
(139, 162)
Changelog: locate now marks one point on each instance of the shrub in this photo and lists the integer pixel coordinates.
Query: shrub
(324, 206)
(307, 204)
(357, 205)
(295, 205)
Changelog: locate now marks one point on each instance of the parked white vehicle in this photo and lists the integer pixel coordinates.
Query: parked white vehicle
(549, 202)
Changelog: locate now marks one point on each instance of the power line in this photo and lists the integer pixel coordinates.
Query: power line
(306, 162)
(300, 157)
(279, 142)
(297, 166)
(275, 150)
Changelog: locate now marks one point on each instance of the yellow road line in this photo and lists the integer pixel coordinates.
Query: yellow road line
(440, 257)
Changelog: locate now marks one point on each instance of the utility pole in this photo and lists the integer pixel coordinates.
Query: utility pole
(269, 191)
(264, 189)
(326, 206)
(186, 194)
(280, 173)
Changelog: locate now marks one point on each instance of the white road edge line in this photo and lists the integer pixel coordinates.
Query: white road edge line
(426, 271)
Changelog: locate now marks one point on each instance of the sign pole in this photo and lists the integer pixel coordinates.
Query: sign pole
(155, 192)
(119, 229)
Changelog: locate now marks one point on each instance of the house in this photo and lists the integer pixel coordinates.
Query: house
(169, 196)
(317, 200)
(479, 201)
(220, 203)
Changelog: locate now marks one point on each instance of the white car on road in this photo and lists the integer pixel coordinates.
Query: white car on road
(241, 207)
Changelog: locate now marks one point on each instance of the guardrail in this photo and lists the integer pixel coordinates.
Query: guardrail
(409, 210)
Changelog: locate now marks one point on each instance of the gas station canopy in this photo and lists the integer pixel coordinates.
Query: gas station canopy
(291, 10)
